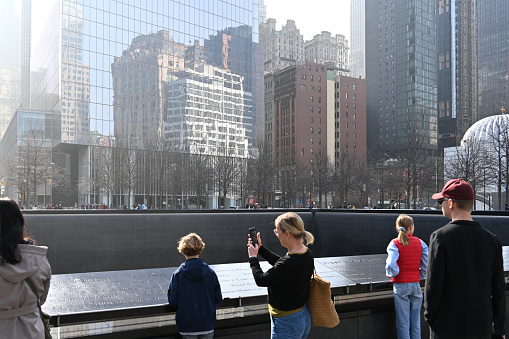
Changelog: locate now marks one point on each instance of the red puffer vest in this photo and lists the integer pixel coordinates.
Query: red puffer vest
(408, 261)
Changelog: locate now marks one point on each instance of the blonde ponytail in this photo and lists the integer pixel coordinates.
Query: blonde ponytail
(293, 223)
(403, 224)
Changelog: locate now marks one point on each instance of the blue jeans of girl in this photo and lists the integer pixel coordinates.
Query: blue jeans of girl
(408, 302)
(292, 326)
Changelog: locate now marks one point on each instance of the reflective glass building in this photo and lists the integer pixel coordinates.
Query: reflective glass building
(109, 65)
(493, 60)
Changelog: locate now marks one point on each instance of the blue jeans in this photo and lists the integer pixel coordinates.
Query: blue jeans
(292, 326)
(408, 301)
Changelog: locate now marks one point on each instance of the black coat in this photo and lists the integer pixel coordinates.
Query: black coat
(465, 285)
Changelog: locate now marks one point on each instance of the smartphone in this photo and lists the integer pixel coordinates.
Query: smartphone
(252, 234)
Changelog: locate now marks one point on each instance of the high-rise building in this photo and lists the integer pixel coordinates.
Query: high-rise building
(327, 49)
(457, 89)
(357, 39)
(206, 112)
(106, 67)
(78, 59)
(493, 65)
(300, 113)
(10, 96)
(10, 36)
(401, 74)
(283, 47)
(349, 121)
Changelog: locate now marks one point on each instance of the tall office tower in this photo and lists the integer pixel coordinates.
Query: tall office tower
(10, 36)
(217, 125)
(357, 39)
(493, 64)
(262, 10)
(74, 64)
(26, 46)
(140, 98)
(457, 89)
(283, 48)
(401, 74)
(10, 96)
(327, 49)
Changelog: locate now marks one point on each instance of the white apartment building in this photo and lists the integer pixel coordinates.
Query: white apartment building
(206, 112)
(283, 48)
(325, 48)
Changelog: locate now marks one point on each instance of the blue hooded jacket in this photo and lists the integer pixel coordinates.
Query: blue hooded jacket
(194, 291)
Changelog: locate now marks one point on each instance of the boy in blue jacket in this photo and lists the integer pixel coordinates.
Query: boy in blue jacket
(194, 291)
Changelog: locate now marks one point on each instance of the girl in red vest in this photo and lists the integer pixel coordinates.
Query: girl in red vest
(406, 265)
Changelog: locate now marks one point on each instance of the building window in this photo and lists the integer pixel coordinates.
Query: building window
(311, 98)
(441, 62)
(302, 87)
(346, 95)
(354, 87)
(319, 100)
(312, 141)
(319, 131)
(447, 60)
(346, 84)
(311, 130)
(311, 119)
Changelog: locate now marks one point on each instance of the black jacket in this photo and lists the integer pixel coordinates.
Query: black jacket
(288, 279)
(465, 285)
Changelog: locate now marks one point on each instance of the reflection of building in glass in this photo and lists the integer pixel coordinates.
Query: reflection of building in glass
(401, 74)
(206, 112)
(139, 86)
(231, 50)
(28, 143)
(283, 48)
(493, 35)
(10, 96)
(103, 66)
(325, 48)
(75, 91)
(456, 70)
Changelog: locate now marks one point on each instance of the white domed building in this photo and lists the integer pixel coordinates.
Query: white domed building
(483, 152)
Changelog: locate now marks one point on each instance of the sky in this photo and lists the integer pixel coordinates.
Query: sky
(312, 17)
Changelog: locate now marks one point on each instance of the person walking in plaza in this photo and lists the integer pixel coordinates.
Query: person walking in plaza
(406, 265)
(288, 279)
(20, 259)
(465, 286)
(194, 291)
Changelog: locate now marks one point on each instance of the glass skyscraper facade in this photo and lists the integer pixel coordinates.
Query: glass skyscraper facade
(108, 67)
(401, 71)
(493, 59)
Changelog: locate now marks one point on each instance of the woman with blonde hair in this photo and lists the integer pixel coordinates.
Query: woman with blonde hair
(406, 265)
(288, 279)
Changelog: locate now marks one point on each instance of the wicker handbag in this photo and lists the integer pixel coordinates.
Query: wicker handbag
(321, 307)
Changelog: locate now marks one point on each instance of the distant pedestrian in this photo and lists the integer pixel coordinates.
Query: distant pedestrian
(465, 284)
(406, 265)
(194, 291)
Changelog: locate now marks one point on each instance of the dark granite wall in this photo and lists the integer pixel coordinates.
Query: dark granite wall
(84, 242)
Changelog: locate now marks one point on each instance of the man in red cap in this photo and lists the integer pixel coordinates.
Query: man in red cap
(465, 285)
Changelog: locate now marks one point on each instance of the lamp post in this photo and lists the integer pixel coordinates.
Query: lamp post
(51, 185)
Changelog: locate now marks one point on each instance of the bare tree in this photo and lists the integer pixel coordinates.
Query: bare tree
(322, 173)
(291, 178)
(262, 171)
(344, 177)
(225, 169)
(468, 163)
(497, 157)
(30, 165)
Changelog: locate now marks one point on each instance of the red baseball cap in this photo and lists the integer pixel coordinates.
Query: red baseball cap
(456, 189)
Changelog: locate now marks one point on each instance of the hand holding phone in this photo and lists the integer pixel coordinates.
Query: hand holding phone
(252, 235)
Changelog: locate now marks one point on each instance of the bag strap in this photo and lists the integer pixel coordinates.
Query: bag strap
(32, 287)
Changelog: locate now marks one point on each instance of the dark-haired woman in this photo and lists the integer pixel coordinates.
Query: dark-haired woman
(288, 279)
(20, 259)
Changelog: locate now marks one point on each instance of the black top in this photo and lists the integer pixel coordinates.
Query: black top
(465, 286)
(288, 279)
